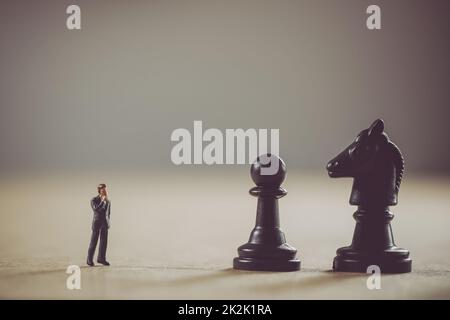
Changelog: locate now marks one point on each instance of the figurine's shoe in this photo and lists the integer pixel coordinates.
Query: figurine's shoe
(103, 262)
(90, 263)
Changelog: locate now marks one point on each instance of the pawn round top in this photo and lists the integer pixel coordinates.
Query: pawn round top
(268, 171)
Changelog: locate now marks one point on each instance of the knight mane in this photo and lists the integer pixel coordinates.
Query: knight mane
(399, 163)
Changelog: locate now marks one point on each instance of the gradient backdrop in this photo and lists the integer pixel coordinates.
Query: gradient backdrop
(110, 94)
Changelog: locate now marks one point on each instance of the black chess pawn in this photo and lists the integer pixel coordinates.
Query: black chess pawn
(267, 249)
(376, 165)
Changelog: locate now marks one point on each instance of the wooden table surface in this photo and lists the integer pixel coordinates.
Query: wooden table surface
(174, 235)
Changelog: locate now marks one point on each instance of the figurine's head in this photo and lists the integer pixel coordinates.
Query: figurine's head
(371, 158)
(268, 171)
(101, 189)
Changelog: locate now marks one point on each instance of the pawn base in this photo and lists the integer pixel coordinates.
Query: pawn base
(257, 257)
(252, 264)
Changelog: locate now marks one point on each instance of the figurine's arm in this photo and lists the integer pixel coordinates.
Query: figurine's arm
(109, 214)
(101, 205)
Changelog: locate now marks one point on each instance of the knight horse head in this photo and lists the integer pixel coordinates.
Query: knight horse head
(376, 165)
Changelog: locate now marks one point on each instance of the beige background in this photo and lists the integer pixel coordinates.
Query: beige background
(138, 70)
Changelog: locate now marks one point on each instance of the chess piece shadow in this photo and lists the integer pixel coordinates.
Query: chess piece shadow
(211, 276)
(267, 249)
(376, 166)
(318, 280)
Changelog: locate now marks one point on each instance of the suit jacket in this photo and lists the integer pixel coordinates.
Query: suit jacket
(102, 211)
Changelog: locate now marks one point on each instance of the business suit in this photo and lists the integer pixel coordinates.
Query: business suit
(100, 226)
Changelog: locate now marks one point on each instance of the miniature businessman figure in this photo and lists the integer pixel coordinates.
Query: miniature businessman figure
(101, 206)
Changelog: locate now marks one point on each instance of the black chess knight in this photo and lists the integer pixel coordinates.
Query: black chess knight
(376, 165)
(267, 249)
